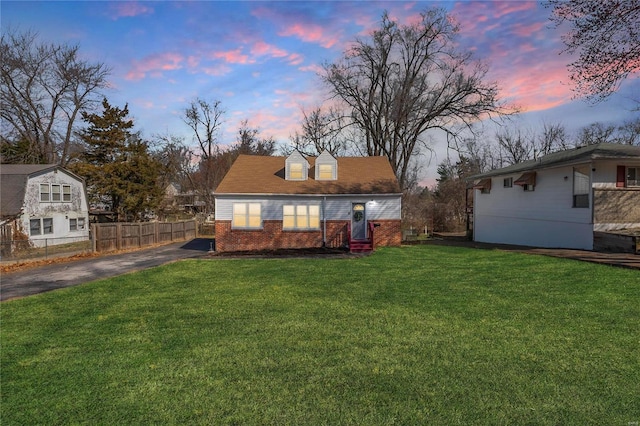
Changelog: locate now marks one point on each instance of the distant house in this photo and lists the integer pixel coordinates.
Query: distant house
(267, 203)
(44, 202)
(560, 199)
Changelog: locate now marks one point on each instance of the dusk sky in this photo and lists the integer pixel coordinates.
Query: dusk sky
(261, 58)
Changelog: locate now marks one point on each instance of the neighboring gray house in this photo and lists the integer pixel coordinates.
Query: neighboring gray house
(44, 202)
(560, 199)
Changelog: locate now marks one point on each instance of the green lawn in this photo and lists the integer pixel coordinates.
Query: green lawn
(412, 335)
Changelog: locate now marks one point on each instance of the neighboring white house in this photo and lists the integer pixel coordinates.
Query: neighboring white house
(560, 199)
(44, 202)
(268, 203)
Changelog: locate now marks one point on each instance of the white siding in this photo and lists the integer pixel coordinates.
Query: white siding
(60, 212)
(544, 217)
(336, 207)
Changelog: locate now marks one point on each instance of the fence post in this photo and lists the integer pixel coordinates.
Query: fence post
(156, 232)
(118, 236)
(93, 233)
(139, 234)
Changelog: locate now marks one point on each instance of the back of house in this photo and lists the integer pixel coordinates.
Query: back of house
(270, 203)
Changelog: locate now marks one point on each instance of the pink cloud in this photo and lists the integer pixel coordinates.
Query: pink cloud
(233, 57)
(154, 65)
(129, 9)
(260, 48)
(310, 33)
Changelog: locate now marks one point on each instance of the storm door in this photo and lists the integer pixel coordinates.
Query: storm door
(358, 221)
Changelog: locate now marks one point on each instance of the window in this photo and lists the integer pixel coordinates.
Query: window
(300, 217)
(633, 176)
(76, 224)
(325, 171)
(44, 192)
(508, 182)
(581, 188)
(527, 181)
(34, 227)
(55, 192)
(295, 171)
(528, 187)
(246, 215)
(41, 226)
(47, 226)
(484, 186)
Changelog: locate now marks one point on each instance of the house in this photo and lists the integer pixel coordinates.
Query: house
(560, 199)
(44, 202)
(268, 203)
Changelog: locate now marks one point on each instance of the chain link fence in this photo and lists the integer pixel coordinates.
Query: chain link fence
(15, 251)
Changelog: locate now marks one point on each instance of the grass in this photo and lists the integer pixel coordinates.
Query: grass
(412, 335)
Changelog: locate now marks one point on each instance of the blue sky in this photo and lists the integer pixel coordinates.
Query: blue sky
(261, 59)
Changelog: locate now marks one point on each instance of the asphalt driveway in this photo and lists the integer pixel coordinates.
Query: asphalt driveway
(65, 274)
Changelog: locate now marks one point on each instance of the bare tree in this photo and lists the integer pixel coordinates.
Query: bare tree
(515, 146)
(606, 35)
(205, 119)
(322, 130)
(250, 142)
(596, 133)
(406, 80)
(629, 132)
(44, 87)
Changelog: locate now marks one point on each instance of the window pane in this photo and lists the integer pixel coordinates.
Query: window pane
(302, 221)
(66, 193)
(44, 192)
(73, 224)
(325, 171)
(47, 226)
(240, 215)
(55, 192)
(34, 227)
(314, 217)
(288, 222)
(254, 209)
(287, 211)
(254, 221)
(295, 171)
(81, 223)
(633, 176)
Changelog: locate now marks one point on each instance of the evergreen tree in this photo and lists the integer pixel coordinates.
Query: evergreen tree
(121, 174)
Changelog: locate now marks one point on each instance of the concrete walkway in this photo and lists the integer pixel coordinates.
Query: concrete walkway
(65, 274)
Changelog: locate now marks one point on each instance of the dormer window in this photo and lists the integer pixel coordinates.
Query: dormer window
(326, 167)
(296, 167)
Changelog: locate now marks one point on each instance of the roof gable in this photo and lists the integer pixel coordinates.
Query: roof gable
(252, 174)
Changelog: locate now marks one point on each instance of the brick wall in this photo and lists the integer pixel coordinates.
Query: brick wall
(273, 237)
(389, 233)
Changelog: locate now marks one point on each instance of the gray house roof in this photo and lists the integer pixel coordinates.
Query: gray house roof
(13, 183)
(602, 151)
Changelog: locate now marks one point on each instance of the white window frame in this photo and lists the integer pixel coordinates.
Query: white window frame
(632, 182)
(296, 171)
(581, 192)
(45, 226)
(246, 216)
(45, 193)
(32, 228)
(55, 193)
(326, 171)
(300, 217)
(73, 224)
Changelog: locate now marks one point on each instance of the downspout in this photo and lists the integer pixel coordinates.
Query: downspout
(324, 222)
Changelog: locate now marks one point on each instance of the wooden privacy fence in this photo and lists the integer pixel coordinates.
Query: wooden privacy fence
(122, 236)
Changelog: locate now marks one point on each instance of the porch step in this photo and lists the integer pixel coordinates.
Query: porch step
(360, 246)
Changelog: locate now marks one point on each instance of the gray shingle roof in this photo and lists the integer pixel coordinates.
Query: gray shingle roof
(600, 151)
(13, 183)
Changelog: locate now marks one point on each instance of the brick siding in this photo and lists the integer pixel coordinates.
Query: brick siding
(271, 236)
